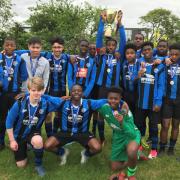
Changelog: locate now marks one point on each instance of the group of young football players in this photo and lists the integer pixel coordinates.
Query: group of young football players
(123, 86)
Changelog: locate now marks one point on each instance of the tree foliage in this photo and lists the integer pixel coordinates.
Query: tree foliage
(5, 14)
(61, 17)
(5, 19)
(161, 23)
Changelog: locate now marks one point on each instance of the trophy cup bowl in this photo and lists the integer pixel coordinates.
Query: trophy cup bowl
(111, 15)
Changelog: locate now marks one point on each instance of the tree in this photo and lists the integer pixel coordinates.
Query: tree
(5, 14)
(161, 23)
(5, 19)
(61, 17)
(20, 35)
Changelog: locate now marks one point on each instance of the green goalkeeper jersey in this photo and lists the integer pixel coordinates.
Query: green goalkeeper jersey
(122, 132)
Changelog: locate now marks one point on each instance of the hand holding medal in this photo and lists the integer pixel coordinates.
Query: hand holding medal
(142, 69)
(143, 66)
(73, 59)
(117, 55)
(118, 116)
(157, 61)
(168, 61)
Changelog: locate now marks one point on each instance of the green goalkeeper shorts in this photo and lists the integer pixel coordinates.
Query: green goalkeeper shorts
(119, 152)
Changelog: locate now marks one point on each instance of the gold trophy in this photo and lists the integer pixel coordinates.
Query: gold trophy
(110, 22)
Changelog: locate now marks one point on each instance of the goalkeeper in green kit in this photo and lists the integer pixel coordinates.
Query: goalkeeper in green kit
(125, 138)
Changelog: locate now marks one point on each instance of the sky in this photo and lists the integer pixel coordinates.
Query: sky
(132, 9)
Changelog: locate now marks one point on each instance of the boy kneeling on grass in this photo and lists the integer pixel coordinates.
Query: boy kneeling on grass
(24, 122)
(126, 136)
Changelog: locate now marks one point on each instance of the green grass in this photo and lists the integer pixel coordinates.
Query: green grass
(97, 168)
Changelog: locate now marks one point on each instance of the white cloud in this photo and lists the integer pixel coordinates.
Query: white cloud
(132, 9)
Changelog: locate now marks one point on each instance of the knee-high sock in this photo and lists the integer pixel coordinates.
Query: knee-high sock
(131, 171)
(94, 127)
(154, 137)
(49, 129)
(56, 125)
(101, 129)
(172, 143)
(2, 132)
(38, 156)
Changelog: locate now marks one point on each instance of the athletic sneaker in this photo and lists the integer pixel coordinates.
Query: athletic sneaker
(40, 170)
(64, 157)
(152, 154)
(84, 158)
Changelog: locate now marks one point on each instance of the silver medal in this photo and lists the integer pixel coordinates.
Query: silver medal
(171, 83)
(59, 68)
(155, 70)
(88, 64)
(108, 70)
(11, 71)
(5, 73)
(35, 120)
(9, 78)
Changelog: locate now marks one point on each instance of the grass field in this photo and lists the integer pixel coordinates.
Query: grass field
(97, 168)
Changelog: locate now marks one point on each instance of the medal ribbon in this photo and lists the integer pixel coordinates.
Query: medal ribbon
(8, 68)
(56, 60)
(33, 69)
(31, 117)
(173, 72)
(110, 58)
(130, 72)
(74, 117)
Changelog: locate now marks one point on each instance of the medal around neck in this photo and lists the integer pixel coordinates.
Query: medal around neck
(171, 83)
(9, 78)
(108, 70)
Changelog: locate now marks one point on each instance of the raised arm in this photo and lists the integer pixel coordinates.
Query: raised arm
(100, 31)
(122, 35)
